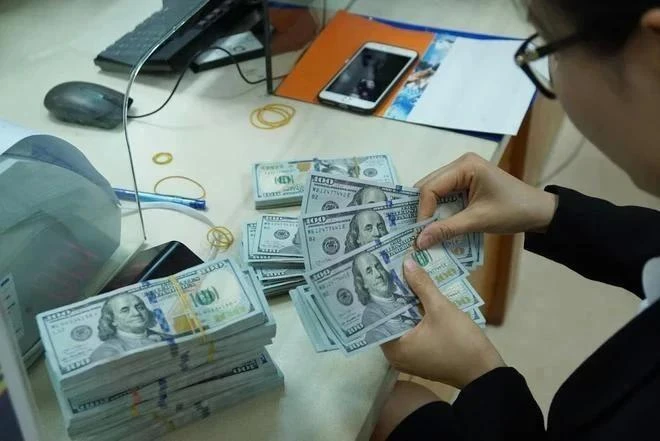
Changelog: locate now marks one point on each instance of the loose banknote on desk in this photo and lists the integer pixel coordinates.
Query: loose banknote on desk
(139, 361)
(281, 184)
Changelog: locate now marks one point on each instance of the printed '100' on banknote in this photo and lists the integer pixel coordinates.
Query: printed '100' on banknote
(324, 192)
(143, 316)
(282, 183)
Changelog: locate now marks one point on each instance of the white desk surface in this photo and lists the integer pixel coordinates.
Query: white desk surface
(206, 128)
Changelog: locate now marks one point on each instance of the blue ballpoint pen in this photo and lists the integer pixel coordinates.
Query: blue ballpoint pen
(129, 195)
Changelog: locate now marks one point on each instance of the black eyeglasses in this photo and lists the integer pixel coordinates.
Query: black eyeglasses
(534, 49)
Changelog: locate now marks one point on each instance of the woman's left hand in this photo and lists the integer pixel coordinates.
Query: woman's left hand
(446, 346)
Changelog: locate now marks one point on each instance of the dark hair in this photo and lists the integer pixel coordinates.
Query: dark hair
(604, 25)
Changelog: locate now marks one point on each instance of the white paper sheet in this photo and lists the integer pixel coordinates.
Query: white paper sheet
(477, 87)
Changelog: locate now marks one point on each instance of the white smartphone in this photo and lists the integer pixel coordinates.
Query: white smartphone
(367, 77)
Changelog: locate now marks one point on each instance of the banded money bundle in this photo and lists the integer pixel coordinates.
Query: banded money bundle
(271, 246)
(143, 360)
(281, 184)
(355, 235)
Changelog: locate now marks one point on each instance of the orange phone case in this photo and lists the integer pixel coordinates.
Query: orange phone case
(338, 42)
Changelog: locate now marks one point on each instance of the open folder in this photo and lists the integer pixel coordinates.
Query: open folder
(462, 81)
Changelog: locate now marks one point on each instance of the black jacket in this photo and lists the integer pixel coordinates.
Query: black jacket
(615, 393)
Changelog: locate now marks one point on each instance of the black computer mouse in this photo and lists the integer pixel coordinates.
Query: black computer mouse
(86, 103)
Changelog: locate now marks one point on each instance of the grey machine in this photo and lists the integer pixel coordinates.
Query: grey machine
(60, 223)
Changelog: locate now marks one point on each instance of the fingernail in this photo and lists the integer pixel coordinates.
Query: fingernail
(410, 264)
(423, 241)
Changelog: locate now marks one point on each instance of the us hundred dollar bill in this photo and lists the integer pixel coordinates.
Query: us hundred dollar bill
(462, 294)
(331, 234)
(278, 235)
(327, 235)
(387, 331)
(325, 192)
(145, 317)
(279, 184)
(272, 274)
(366, 287)
(459, 292)
(255, 259)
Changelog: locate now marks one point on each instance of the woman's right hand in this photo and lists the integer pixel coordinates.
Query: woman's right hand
(498, 202)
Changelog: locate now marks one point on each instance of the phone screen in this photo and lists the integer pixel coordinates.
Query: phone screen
(368, 75)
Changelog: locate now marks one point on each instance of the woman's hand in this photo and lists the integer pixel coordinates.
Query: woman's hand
(446, 345)
(498, 202)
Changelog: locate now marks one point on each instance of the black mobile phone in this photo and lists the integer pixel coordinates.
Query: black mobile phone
(154, 263)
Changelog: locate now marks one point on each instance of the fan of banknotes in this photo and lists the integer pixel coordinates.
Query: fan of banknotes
(146, 359)
(344, 252)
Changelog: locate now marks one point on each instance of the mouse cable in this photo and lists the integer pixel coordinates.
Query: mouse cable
(131, 80)
(185, 69)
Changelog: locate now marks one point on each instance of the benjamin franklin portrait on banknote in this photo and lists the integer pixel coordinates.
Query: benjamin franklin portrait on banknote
(124, 325)
(365, 227)
(368, 195)
(378, 292)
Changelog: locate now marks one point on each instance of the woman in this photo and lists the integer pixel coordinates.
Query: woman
(605, 66)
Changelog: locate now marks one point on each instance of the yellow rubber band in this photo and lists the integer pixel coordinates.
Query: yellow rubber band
(262, 119)
(220, 237)
(185, 178)
(162, 158)
(211, 355)
(285, 111)
(191, 316)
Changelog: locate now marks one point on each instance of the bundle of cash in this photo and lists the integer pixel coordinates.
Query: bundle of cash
(459, 292)
(137, 362)
(271, 246)
(361, 299)
(338, 214)
(280, 184)
(354, 236)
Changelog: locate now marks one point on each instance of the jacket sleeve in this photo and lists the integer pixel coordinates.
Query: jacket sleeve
(599, 240)
(498, 406)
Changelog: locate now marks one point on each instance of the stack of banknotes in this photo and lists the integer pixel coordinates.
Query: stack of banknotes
(281, 184)
(146, 359)
(271, 247)
(356, 295)
(271, 244)
(344, 252)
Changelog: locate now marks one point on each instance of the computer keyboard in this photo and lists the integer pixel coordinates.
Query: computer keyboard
(205, 27)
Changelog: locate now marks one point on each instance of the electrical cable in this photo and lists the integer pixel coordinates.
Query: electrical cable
(220, 238)
(238, 66)
(544, 180)
(131, 80)
(185, 69)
